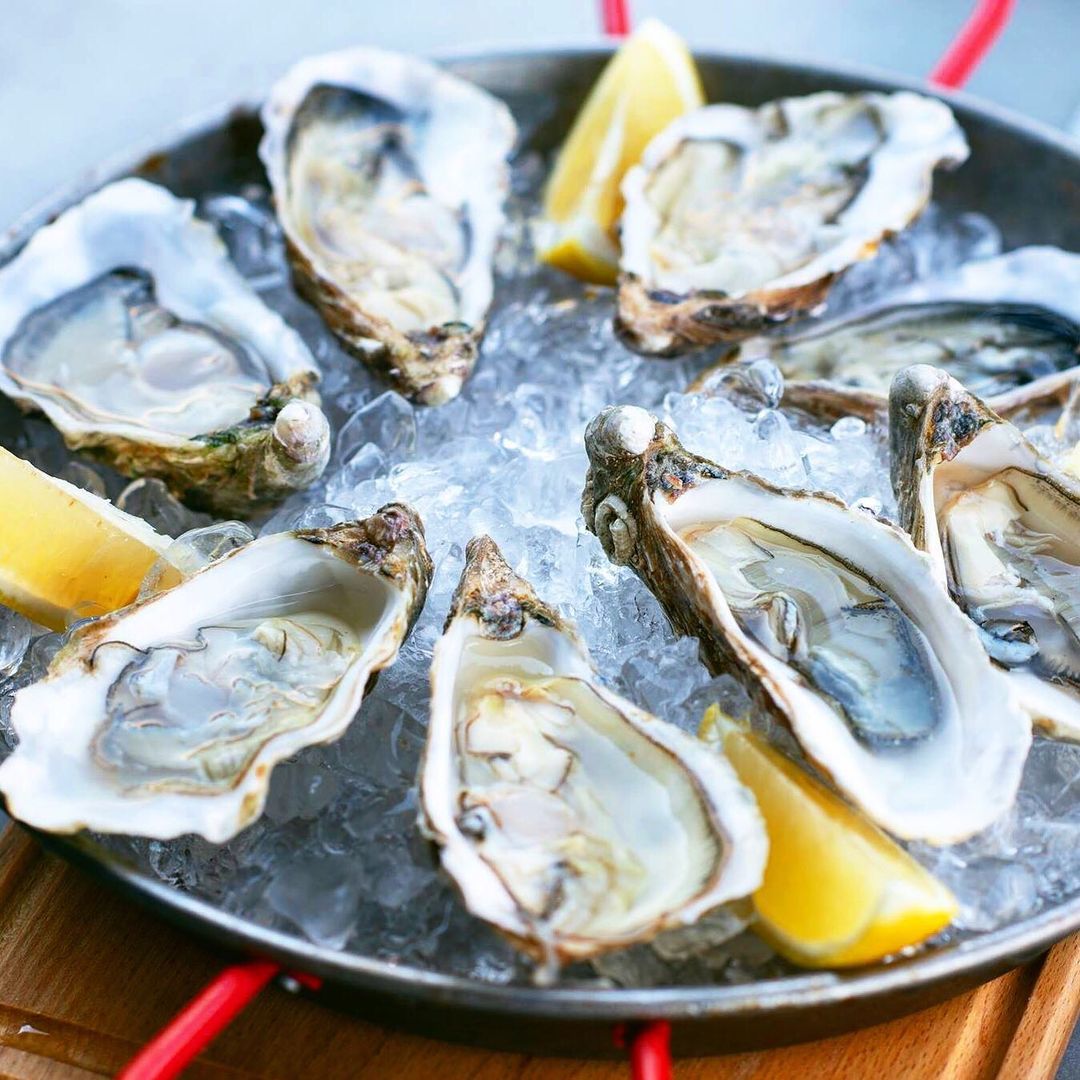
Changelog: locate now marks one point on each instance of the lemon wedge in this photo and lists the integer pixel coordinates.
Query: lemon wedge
(64, 552)
(837, 891)
(649, 82)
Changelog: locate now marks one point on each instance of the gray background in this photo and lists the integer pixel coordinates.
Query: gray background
(81, 80)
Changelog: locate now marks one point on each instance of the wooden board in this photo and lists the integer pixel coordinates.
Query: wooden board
(86, 978)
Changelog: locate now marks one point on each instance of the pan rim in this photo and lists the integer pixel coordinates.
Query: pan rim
(973, 959)
(994, 951)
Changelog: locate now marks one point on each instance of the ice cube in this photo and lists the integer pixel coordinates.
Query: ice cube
(319, 893)
(16, 632)
(388, 422)
(149, 499)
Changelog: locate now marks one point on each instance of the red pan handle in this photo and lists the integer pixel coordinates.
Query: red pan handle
(973, 42)
(184, 1037)
(650, 1052)
(615, 17)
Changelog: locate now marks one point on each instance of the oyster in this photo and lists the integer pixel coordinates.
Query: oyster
(737, 219)
(168, 716)
(830, 618)
(570, 820)
(1001, 525)
(124, 322)
(389, 177)
(1008, 328)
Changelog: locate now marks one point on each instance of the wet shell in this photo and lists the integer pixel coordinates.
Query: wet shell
(829, 617)
(389, 177)
(738, 219)
(1001, 524)
(1008, 328)
(126, 324)
(167, 717)
(570, 820)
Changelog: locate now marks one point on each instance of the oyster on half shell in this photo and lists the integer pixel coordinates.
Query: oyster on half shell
(1008, 328)
(168, 716)
(737, 219)
(125, 323)
(389, 177)
(829, 617)
(570, 820)
(1001, 525)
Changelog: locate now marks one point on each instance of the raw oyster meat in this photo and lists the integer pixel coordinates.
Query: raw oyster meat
(1001, 525)
(1008, 328)
(126, 324)
(168, 716)
(737, 219)
(389, 177)
(829, 617)
(570, 820)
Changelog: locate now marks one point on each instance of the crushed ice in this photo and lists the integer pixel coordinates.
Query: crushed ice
(337, 856)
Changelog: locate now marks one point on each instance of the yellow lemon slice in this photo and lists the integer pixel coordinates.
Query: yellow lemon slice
(837, 891)
(66, 553)
(648, 83)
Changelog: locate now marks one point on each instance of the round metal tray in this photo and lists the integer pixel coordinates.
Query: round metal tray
(1027, 179)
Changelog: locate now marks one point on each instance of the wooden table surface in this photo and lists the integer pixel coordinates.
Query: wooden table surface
(86, 977)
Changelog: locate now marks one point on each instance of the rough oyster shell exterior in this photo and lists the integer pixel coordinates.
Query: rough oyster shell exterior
(532, 655)
(954, 782)
(281, 445)
(372, 575)
(1036, 290)
(666, 311)
(465, 166)
(944, 441)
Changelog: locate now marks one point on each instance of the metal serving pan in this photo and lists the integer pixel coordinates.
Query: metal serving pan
(1026, 178)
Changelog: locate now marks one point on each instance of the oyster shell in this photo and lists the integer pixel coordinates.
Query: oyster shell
(1049, 416)
(737, 219)
(829, 617)
(168, 716)
(124, 322)
(389, 177)
(1001, 525)
(570, 820)
(1008, 328)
